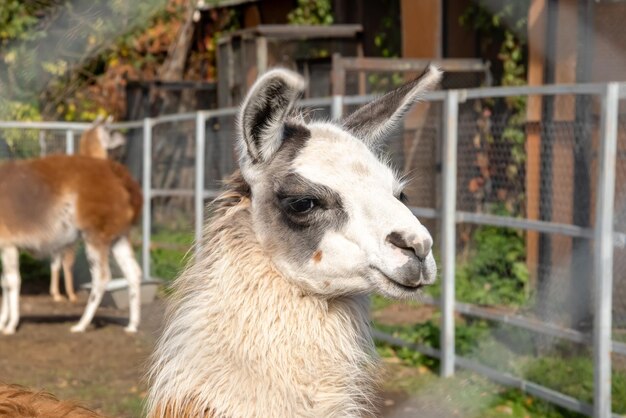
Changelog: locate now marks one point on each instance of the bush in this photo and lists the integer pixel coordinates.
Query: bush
(573, 375)
(467, 336)
(496, 273)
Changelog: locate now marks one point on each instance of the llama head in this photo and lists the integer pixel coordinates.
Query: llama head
(98, 139)
(325, 208)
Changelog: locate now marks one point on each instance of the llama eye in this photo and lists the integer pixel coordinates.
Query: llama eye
(402, 198)
(300, 204)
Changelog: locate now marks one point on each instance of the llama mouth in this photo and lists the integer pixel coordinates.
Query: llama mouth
(404, 287)
(398, 285)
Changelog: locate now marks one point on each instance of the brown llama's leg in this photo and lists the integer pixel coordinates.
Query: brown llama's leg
(11, 281)
(55, 272)
(125, 257)
(98, 257)
(69, 256)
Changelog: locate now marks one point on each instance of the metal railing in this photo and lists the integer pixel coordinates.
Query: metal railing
(602, 233)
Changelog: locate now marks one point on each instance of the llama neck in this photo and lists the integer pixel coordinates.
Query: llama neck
(242, 341)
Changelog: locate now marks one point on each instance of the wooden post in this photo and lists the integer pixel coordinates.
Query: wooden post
(536, 54)
(421, 28)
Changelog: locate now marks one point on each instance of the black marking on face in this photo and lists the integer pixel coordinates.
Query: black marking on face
(326, 213)
(296, 233)
(295, 137)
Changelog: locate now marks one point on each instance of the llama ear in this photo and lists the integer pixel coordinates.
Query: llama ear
(116, 139)
(97, 121)
(374, 120)
(264, 111)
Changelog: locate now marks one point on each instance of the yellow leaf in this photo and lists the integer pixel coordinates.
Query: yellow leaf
(9, 57)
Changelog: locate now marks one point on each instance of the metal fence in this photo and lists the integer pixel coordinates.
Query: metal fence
(550, 176)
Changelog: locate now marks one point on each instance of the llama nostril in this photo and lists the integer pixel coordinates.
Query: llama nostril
(397, 239)
(420, 247)
(400, 240)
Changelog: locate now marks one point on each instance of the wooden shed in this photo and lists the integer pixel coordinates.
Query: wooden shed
(244, 54)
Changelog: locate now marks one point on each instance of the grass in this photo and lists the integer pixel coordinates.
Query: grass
(170, 252)
(130, 404)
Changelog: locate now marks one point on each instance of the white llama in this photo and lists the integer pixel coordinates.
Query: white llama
(271, 319)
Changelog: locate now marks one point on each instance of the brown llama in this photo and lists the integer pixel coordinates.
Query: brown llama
(46, 204)
(94, 142)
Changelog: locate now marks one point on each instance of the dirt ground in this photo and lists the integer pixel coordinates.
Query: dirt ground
(104, 367)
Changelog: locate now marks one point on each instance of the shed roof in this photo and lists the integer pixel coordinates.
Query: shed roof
(214, 4)
(288, 32)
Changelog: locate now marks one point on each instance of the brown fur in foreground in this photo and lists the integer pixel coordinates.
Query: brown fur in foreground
(19, 402)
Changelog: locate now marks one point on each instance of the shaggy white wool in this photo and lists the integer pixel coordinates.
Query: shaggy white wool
(242, 341)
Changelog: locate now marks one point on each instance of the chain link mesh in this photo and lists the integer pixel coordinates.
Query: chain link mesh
(30, 143)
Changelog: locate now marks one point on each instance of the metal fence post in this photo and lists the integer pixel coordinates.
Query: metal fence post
(603, 254)
(448, 230)
(69, 142)
(336, 107)
(147, 197)
(199, 183)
